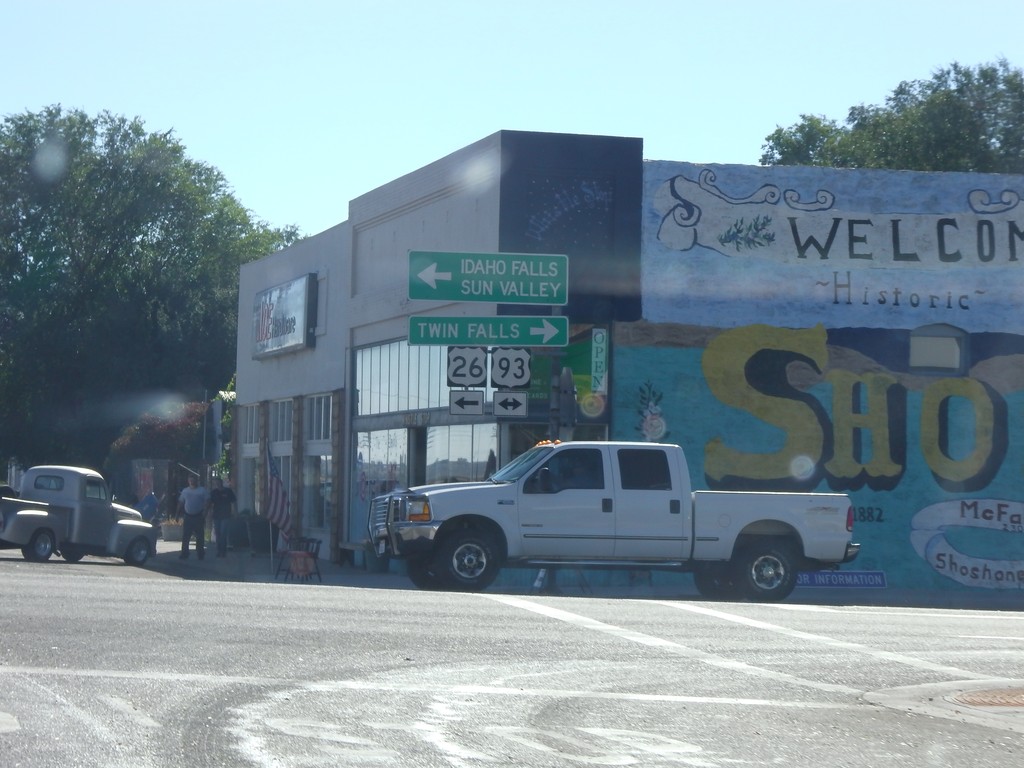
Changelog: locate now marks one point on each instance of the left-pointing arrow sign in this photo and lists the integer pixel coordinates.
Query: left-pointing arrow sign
(431, 276)
(469, 402)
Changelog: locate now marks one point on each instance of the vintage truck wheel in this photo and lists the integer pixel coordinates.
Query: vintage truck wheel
(138, 551)
(71, 555)
(766, 572)
(421, 574)
(40, 547)
(467, 560)
(715, 581)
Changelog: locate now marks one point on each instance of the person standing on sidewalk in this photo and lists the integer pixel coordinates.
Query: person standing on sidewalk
(222, 500)
(192, 504)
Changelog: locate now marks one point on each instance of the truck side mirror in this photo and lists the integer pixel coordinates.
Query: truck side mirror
(544, 480)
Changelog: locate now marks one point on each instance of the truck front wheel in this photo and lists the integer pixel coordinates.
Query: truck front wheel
(766, 572)
(138, 551)
(467, 560)
(40, 547)
(421, 573)
(715, 581)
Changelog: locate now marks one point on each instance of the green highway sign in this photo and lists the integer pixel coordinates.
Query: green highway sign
(500, 331)
(504, 278)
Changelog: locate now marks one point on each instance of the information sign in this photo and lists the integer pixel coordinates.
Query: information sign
(499, 331)
(503, 278)
(467, 366)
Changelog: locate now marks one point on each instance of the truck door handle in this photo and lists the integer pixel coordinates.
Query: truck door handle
(606, 505)
(673, 507)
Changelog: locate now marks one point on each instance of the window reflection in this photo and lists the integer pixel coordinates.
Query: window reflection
(460, 453)
(383, 458)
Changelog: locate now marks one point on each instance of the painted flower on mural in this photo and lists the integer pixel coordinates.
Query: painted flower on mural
(652, 423)
(754, 234)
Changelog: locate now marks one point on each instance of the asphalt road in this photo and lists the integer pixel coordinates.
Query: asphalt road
(106, 665)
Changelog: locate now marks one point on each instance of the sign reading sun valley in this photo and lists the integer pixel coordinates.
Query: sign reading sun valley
(503, 278)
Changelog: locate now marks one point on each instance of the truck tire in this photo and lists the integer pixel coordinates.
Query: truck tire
(467, 560)
(715, 581)
(71, 555)
(40, 547)
(421, 573)
(138, 551)
(766, 572)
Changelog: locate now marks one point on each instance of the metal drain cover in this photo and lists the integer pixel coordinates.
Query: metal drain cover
(998, 697)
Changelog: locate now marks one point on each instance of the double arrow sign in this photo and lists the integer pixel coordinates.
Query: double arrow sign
(471, 403)
(503, 278)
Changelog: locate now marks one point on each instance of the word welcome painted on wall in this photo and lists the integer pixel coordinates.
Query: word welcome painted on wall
(696, 212)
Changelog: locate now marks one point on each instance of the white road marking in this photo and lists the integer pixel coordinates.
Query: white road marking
(8, 722)
(669, 646)
(876, 653)
(330, 686)
(129, 710)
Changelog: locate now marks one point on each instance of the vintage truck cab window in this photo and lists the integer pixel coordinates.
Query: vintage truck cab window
(95, 489)
(49, 483)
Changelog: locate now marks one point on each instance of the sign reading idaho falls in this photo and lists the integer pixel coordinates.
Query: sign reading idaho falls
(503, 278)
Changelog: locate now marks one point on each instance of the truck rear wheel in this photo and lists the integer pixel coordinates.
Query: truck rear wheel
(766, 571)
(40, 547)
(467, 560)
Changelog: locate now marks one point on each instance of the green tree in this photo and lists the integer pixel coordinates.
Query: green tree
(119, 261)
(962, 119)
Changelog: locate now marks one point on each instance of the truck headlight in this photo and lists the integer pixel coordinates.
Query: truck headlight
(418, 510)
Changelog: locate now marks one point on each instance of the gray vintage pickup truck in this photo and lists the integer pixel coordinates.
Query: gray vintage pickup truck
(70, 511)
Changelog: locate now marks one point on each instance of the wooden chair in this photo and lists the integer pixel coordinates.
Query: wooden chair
(300, 560)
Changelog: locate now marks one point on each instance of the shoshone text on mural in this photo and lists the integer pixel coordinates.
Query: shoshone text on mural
(865, 440)
(938, 529)
(963, 441)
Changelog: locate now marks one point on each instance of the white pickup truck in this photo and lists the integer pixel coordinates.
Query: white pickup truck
(611, 505)
(69, 510)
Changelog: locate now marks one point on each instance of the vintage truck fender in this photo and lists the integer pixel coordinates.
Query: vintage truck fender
(36, 529)
(134, 540)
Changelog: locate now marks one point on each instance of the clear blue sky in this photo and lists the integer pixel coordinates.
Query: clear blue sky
(306, 104)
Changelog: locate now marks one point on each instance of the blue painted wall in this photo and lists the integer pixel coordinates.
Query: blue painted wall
(854, 330)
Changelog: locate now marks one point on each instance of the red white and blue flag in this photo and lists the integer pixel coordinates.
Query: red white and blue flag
(277, 498)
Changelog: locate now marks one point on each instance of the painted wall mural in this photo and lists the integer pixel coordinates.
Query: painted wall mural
(816, 329)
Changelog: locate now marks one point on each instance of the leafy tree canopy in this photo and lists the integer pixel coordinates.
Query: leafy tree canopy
(961, 119)
(119, 260)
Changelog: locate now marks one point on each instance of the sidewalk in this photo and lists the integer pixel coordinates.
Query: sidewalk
(248, 566)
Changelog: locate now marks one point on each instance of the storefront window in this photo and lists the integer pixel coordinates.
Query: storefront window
(462, 452)
(316, 496)
(382, 459)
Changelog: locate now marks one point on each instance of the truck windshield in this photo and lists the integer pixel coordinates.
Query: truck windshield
(521, 464)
